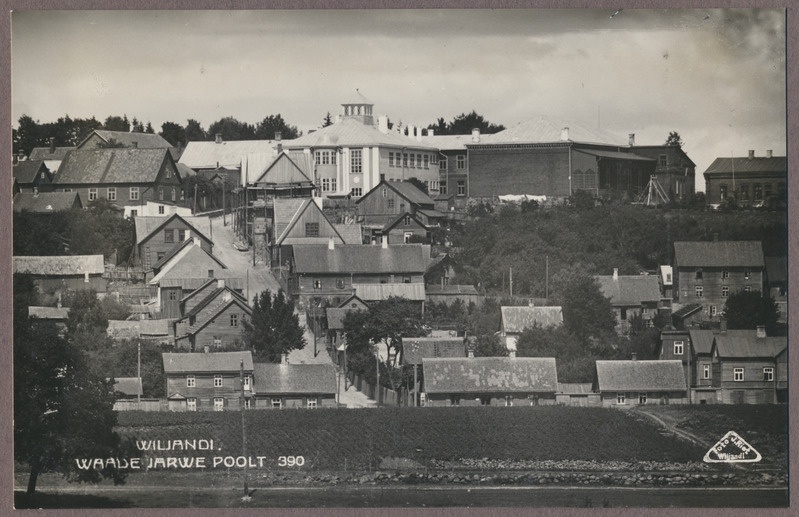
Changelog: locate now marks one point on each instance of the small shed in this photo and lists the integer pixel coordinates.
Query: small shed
(577, 394)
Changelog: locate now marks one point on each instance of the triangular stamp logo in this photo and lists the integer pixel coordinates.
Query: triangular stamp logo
(732, 449)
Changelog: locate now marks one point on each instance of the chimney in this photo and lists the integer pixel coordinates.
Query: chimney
(206, 349)
(431, 132)
(331, 244)
(220, 283)
(418, 134)
(761, 331)
(615, 273)
(218, 138)
(634, 356)
(338, 118)
(564, 134)
(631, 137)
(52, 144)
(411, 130)
(382, 177)
(384, 242)
(476, 135)
(769, 154)
(382, 124)
(279, 148)
(751, 154)
(278, 136)
(284, 359)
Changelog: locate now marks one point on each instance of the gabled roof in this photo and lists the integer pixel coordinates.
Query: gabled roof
(45, 202)
(208, 362)
(299, 168)
(490, 375)
(128, 385)
(448, 142)
(640, 376)
(212, 297)
(27, 170)
(730, 346)
(350, 233)
(360, 258)
(143, 140)
(351, 300)
(210, 155)
(616, 155)
(308, 379)
(746, 164)
(516, 319)
(284, 211)
(307, 204)
(404, 189)
(219, 308)
(110, 166)
(718, 254)
(233, 283)
(702, 339)
(414, 349)
(147, 225)
(575, 388)
(59, 265)
(43, 153)
(629, 289)
(172, 252)
(48, 313)
(400, 218)
(353, 133)
(374, 292)
(196, 283)
(189, 254)
(546, 129)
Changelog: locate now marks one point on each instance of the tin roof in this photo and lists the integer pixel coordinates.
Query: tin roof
(718, 254)
(702, 339)
(360, 258)
(59, 265)
(48, 313)
(448, 142)
(629, 289)
(640, 376)
(490, 375)
(516, 319)
(350, 233)
(546, 129)
(414, 349)
(294, 379)
(200, 362)
(210, 155)
(353, 133)
(746, 164)
(43, 153)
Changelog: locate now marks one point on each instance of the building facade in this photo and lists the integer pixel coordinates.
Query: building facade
(750, 181)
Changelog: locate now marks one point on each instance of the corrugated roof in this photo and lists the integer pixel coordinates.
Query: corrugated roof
(575, 388)
(43, 153)
(206, 362)
(128, 385)
(48, 313)
(746, 164)
(309, 379)
(373, 292)
(27, 170)
(59, 265)
(718, 254)
(109, 166)
(740, 347)
(640, 376)
(776, 268)
(490, 375)
(361, 258)
(546, 129)
(414, 349)
(209, 155)
(146, 225)
(352, 133)
(687, 310)
(516, 319)
(45, 202)
(143, 140)
(629, 289)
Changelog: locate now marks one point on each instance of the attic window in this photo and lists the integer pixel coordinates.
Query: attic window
(678, 347)
(390, 203)
(384, 191)
(312, 229)
(169, 235)
(210, 273)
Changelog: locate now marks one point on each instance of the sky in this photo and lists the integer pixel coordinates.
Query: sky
(717, 77)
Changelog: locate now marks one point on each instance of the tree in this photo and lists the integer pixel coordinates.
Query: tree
(231, 129)
(464, 123)
(149, 128)
(115, 123)
(328, 120)
(586, 312)
(266, 129)
(273, 329)
(27, 135)
(136, 126)
(582, 200)
(489, 345)
(194, 131)
(416, 182)
(173, 133)
(86, 313)
(674, 139)
(748, 310)
(62, 411)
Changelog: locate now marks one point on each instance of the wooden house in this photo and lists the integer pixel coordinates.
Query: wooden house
(156, 236)
(100, 138)
(207, 381)
(415, 350)
(631, 296)
(335, 338)
(747, 369)
(580, 394)
(55, 315)
(749, 181)
(46, 202)
(284, 385)
(625, 383)
(707, 272)
(56, 274)
(406, 228)
(516, 319)
(125, 177)
(490, 381)
(51, 155)
(300, 221)
(393, 203)
(189, 261)
(32, 176)
(215, 322)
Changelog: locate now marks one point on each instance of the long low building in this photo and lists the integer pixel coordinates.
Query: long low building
(631, 382)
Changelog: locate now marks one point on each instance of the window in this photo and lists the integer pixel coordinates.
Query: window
(181, 235)
(174, 194)
(642, 398)
(722, 192)
(332, 184)
(767, 190)
(190, 381)
(247, 403)
(277, 403)
(325, 157)
(161, 209)
(413, 161)
(747, 274)
(426, 159)
(461, 161)
(744, 192)
(768, 374)
(210, 273)
(356, 192)
(461, 188)
(508, 401)
(217, 381)
(713, 310)
(620, 398)
(406, 280)
(173, 295)
(234, 320)
(390, 203)
(134, 213)
(311, 403)
(699, 273)
(407, 220)
(418, 161)
(623, 314)
(339, 283)
(112, 193)
(679, 347)
(454, 400)
(442, 164)
(219, 403)
(390, 159)
(432, 185)
(757, 192)
(92, 194)
(317, 284)
(161, 195)
(169, 235)
(442, 187)
(247, 383)
(699, 291)
(663, 160)
(725, 273)
(312, 229)
(217, 341)
(356, 161)
(748, 289)
(433, 159)
(738, 374)
(191, 404)
(705, 371)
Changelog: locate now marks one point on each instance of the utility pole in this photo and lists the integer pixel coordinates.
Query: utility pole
(138, 376)
(510, 280)
(195, 199)
(546, 281)
(224, 212)
(243, 431)
(377, 365)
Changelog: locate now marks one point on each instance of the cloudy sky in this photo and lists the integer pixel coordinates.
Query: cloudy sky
(715, 76)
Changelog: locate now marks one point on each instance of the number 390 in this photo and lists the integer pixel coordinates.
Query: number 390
(291, 461)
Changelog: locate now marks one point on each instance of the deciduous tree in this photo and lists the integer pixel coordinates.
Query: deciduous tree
(586, 312)
(748, 310)
(273, 329)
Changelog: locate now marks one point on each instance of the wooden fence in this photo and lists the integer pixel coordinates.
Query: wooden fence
(385, 396)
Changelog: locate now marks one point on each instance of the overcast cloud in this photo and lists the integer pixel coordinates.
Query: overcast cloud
(715, 76)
